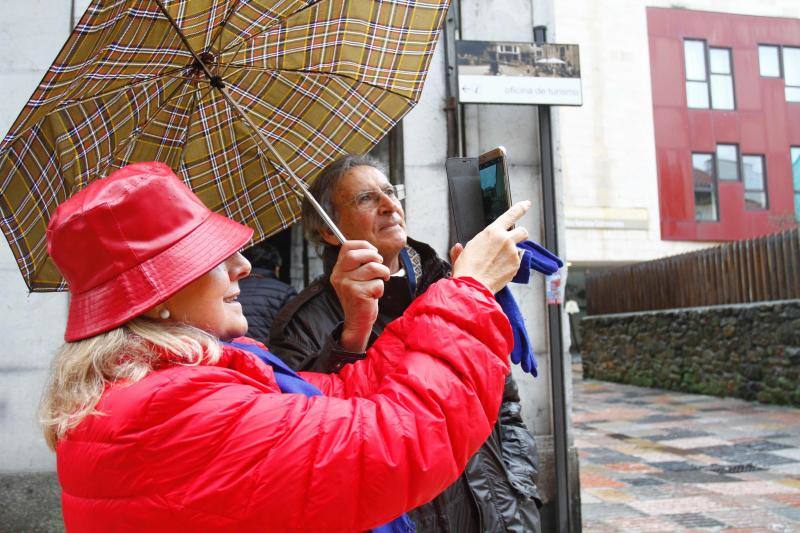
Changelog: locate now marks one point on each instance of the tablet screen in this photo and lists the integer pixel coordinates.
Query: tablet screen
(493, 189)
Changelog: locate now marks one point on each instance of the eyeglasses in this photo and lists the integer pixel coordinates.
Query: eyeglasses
(369, 200)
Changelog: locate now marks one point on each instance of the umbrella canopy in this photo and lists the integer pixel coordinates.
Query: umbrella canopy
(314, 79)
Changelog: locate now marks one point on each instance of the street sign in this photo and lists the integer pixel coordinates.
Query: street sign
(502, 72)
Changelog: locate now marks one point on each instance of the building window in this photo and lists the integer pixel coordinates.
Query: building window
(728, 162)
(755, 189)
(696, 74)
(781, 62)
(704, 90)
(769, 61)
(705, 187)
(795, 155)
(791, 73)
(721, 78)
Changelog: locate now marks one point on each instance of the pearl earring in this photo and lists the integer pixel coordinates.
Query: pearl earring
(164, 313)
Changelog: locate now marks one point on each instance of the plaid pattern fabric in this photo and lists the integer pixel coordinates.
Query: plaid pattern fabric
(319, 78)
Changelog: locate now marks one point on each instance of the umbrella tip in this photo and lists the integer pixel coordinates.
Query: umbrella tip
(216, 82)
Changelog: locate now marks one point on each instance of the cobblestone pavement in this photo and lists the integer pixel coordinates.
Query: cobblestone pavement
(654, 460)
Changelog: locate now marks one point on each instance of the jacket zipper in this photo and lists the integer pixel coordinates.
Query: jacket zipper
(474, 501)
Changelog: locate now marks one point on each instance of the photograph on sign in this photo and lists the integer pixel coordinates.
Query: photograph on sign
(519, 73)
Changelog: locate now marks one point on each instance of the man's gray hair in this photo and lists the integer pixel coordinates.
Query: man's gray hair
(322, 189)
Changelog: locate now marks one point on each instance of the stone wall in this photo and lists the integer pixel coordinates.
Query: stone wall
(747, 351)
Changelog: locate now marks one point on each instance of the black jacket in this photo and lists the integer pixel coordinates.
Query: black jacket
(497, 492)
(262, 295)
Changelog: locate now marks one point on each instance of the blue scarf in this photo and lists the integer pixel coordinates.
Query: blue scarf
(291, 383)
(538, 258)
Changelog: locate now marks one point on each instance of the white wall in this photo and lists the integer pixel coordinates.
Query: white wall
(608, 145)
(32, 325)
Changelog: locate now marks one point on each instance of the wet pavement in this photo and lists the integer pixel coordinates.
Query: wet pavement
(654, 460)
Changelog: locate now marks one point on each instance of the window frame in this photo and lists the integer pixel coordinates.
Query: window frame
(707, 79)
(714, 187)
(731, 75)
(796, 192)
(707, 58)
(745, 190)
(739, 168)
(783, 72)
(781, 67)
(780, 60)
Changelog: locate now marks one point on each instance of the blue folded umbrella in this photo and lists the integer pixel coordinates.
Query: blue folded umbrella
(538, 258)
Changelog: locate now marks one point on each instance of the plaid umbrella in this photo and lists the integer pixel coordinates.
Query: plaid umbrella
(237, 96)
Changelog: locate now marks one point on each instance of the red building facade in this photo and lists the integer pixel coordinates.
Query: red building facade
(726, 108)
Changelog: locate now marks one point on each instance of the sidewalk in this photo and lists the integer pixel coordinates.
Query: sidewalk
(655, 460)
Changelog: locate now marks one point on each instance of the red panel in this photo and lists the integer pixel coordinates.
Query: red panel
(748, 94)
(763, 122)
(701, 131)
(754, 133)
(793, 123)
(780, 191)
(672, 128)
(727, 127)
(669, 53)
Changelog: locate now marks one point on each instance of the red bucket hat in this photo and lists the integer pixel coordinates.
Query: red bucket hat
(128, 242)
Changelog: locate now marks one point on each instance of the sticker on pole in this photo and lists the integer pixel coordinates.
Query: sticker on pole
(518, 73)
(554, 286)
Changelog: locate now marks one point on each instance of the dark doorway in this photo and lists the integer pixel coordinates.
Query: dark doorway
(282, 242)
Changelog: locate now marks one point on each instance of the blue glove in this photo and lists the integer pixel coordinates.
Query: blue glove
(540, 259)
(522, 354)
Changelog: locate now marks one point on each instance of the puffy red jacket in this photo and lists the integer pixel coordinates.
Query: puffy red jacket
(213, 448)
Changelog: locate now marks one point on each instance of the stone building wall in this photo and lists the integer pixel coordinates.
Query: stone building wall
(746, 351)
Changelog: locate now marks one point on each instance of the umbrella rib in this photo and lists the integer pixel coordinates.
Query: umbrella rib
(221, 27)
(294, 182)
(191, 113)
(229, 65)
(168, 74)
(321, 73)
(69, 103)
(215, 80)
(267, 28)
(217, 83)
(266, 153)
(172, 96)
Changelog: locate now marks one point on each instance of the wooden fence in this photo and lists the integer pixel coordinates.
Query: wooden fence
(766, 268)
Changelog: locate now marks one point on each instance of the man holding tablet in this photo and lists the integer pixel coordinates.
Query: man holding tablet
(497, 491)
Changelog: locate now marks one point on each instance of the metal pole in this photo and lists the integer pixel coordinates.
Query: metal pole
(554, 328)
(554, 316)
(452, 108)
(217, 83)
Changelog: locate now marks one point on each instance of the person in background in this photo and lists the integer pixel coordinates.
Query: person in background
(263, 294)
(315, 331)
(164, 419)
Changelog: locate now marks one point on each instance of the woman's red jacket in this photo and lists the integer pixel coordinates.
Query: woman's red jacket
(219, 448)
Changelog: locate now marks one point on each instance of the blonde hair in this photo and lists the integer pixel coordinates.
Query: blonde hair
(82, 370)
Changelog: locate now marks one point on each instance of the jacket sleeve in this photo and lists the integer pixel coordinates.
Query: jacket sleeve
(295, 334)
(402, 428)
(289, 341)
(520, 456)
